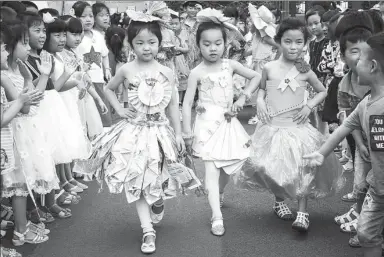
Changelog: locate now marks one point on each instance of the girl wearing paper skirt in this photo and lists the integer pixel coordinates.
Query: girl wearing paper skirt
(217, 136)
(142, 154)
(284, 134)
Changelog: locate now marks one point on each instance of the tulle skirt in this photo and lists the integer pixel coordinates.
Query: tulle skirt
(142, 160)
(90, 117)
(36, 161)
(225, 142)
(58, 127)
(83, 147)
(276, 163)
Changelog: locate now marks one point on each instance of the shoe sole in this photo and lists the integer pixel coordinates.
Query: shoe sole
(348, 200)
(299, 229)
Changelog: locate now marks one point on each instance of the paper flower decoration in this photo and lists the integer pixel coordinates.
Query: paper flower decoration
(48, 18)
(263, 19)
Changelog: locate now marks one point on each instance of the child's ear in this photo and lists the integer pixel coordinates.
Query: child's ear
(374, 65)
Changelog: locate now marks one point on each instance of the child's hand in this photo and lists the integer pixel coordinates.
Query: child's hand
(180, 144)
(32, 97)
(70, 67)
(314, 159)
(102, 106)
(262, 112)
(108, 74)
(238, 105)
(45, 67)
(302, 116)
(86, 66)
(128, 113)
(364, 153)
(24, 71)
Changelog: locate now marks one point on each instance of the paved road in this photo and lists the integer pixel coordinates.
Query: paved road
(104, 225)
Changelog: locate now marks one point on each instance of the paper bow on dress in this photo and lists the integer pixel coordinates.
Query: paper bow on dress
(263, 19)
(213, 15)
(48, 18)
(292, 83)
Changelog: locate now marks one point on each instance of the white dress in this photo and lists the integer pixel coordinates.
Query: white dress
(36, 161)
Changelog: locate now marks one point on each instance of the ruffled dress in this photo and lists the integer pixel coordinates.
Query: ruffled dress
(53, 111)
(217, 137)
(36, 161)
(70, 99)
(12, 182)
(140, 155)
(276, 163)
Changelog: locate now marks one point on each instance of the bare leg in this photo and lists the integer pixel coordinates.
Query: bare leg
(19, 205)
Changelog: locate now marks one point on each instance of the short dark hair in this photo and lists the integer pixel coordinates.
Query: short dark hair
(31, 19)
(354, 36)
(7, 14)
(207, 26)
(190, 3)
(376, 43)
(98, 8)
(291, 23)
(353, 19)
(79, 8)
(15, 31)
(17, 6)
(315, 10)
(378, 22)
(29, 4)
(327, 16)
(74, 25)
(231, 12)
(135, 27)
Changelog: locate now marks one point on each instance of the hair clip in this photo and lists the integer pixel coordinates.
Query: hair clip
(48, 18)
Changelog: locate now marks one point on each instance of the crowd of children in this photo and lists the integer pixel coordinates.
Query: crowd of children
(99, 96)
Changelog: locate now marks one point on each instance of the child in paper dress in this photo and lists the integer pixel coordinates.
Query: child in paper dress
(217, 136)
(142, 153)
(284, 134)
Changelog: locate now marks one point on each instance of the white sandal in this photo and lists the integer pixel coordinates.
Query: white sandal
(218, 229)
(148, 247)
(282, 211)
(301, 223)
(38, 238)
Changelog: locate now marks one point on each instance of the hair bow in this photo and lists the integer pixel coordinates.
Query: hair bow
(263, 19)
(48, 18)
(155, 11)
(213, 15)
(72, 12)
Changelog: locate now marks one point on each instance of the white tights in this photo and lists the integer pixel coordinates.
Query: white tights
(143, 211)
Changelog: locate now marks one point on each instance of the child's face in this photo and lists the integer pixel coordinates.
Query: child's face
(240, 25)
(292, 44)
(87, 19)
(314, 25)
(212, 45)
(146, 45)
(191, 11)
(175, 24)
(102, 19)
(364, 64)
(37, 36)
(22, 50)
(4, 57)
(183, 16)
(57, 42)
(74, 39)
(352, 54)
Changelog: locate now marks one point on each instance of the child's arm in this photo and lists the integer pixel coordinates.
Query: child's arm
(109, 91)
(188, 102)
(63, 83)
(107, 70)
(262, 112)
(350, 124)
(173, 110)
(363, 150)
(247, 73)
(302, 116)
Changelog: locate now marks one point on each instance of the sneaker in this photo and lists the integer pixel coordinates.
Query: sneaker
(348, 167)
